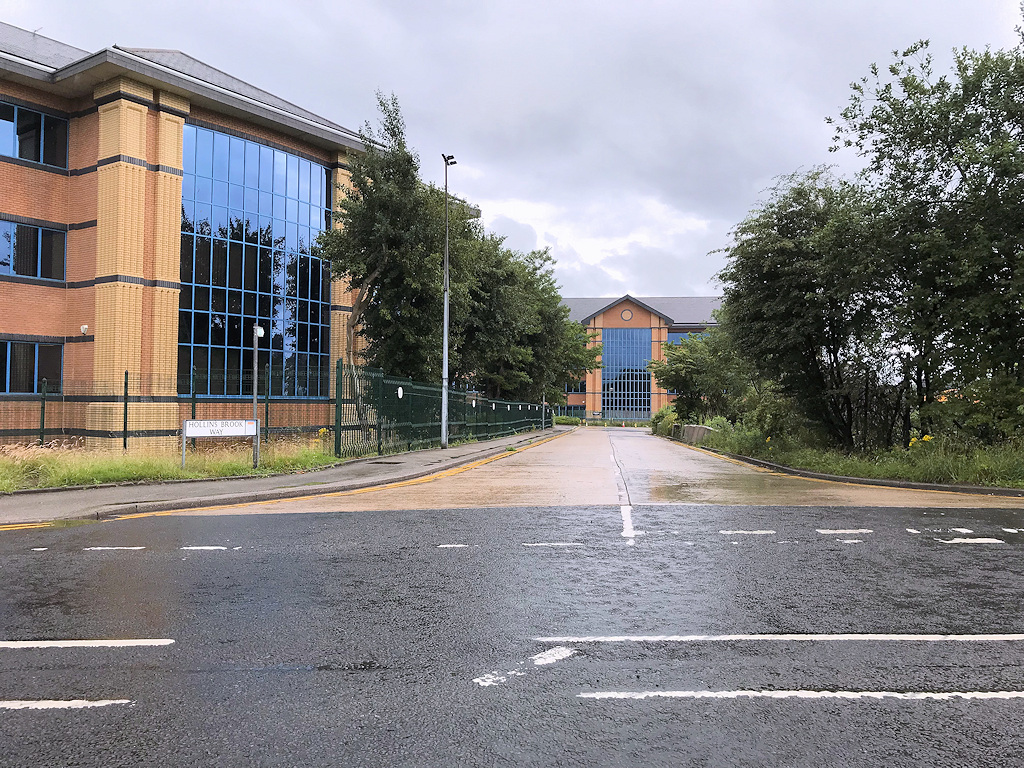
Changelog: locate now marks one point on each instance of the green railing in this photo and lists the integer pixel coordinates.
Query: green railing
(379, 413)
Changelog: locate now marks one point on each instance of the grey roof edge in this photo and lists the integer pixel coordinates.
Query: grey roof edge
(26, 67)
(648, 303)
(134, 64)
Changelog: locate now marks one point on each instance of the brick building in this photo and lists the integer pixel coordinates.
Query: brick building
(152, 211)
(632, 332)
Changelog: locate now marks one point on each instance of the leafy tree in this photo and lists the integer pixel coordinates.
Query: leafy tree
(945, 157)
(509, 334)
(801, 295)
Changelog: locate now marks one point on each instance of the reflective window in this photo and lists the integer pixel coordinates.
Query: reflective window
(33, 136)
(24, 365)
(675, 338)
(246, 260)
(625, 380)
(31, 251)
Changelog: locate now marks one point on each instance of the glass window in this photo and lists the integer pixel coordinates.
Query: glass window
(26, 251)
(625, 380)
(49, 367)
(6, 134)
(30, 129)
(4, 386)
(51, 258)
(273, 212)
(55, 141)
(23, 367)
(6, 246)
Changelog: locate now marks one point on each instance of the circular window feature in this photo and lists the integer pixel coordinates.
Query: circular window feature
(627, 314)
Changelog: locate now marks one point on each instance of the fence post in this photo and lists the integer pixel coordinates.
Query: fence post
(380, 413)
(337, 408)
(266, 404)
(42, 416)
(193, 389)
(124, 438)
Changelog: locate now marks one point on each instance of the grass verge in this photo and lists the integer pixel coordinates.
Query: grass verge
(930, 461)
(55, 466)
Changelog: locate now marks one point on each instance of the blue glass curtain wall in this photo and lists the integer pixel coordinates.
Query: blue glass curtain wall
(250, 215)
(625, 380)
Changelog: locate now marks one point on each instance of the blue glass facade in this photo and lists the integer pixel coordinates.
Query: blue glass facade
(625, 380)
(250, 215)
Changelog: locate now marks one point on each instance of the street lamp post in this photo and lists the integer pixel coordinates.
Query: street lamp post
(257, 334)
(448, 161)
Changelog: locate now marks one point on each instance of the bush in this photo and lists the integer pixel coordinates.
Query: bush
(662, 421)
(569, 420)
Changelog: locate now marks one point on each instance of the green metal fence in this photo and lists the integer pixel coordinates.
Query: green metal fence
(370, 413)
(379, 413)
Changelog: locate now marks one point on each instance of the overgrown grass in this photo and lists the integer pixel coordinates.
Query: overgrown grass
(926, 461)
(57, 466)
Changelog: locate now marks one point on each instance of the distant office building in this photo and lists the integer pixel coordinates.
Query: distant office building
(153, 209)
(631, 331)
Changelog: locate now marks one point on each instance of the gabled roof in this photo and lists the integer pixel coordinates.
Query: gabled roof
(676, 310)
(71, 72)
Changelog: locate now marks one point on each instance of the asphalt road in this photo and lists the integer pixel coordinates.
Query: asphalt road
(596, 600)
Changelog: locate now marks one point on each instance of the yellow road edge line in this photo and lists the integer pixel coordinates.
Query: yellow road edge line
(331, 494)
(23, 526)
(838, 482)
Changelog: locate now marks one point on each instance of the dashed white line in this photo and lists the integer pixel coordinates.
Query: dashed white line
(554, 544)
(85, 643)
(39, 549)
(843, 531)
(1011, 530)
(792, 637)
(56, 704)
(961, 530)
(972, 541)
(747, 533)
(912, 530)
(904, 695)
(557, 653)
(851, 541)
(98, 549)
(204, 548)
(452, 546)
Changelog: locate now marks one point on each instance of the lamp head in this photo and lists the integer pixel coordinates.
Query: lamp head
(85, 330)
(259, 331)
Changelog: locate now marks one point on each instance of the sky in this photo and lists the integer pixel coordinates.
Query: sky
(629, 138)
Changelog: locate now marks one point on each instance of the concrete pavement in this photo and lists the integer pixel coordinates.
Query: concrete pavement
(40, 506)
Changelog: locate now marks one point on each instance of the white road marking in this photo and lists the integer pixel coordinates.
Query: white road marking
(496, 678)
(782, 638)
(97, 549)
(236, 548)
(52, 704)
(904, 695)
(557, 653)
(452, 546)
(83, 643)
(204, 548)
(627, 522)
(912, 530)
(554, 544)
(39, 549)
(961, 530)
(1011, 530)
(842, 531)
(972, 541)
(747, 533)
(851, 541)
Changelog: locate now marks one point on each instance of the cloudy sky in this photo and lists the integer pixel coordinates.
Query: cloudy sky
(628, 137)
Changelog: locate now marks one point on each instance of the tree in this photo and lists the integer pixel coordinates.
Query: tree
(707, 375)
(801, 295)
(945, 157)
(509, 334)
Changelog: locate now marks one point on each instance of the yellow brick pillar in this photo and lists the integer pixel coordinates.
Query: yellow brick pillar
(139, 163)
(341, 293)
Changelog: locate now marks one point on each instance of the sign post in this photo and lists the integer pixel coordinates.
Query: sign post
(220, 428)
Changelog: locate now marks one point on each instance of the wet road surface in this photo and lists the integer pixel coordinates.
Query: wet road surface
(613, 627)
